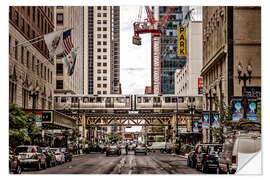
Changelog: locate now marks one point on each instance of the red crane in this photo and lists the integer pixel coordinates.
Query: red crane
(153, 26)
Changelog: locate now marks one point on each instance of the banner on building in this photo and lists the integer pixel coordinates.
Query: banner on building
(195, 128)
(205, 120)
(252, 111)
(215, 120)
(200, 85)
(237, 110)
(181, 41)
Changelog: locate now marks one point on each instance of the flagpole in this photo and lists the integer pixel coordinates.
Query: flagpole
(28, 41)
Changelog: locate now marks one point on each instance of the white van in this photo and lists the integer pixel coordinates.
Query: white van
(237, 150)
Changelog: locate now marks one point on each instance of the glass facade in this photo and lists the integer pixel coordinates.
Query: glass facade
(169, 59)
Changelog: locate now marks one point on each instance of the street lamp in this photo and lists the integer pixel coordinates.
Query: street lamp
(34, 94)
(211, 97)
(244, 78)
(191, 107)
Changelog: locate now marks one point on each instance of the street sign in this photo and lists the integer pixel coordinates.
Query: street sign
(200, 85)
(181, 41)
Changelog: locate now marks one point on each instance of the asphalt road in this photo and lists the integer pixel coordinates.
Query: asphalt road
(153, 163)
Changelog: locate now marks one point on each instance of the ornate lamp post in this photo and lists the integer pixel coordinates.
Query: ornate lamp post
(244, 78)
(212, 95)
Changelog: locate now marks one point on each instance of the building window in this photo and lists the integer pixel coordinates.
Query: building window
(104, 71)
(38, 19)
(28, 30)
(59, 69)
(104, 42)
(33, 34)
(105, 78)
(98, 35)
(13, 92)
(59, 84)
(22, 55)
(59, 18)
(45, 72)
(104, 29)
(99, 78)
(33, 13)
(98, 21)
(25, 98)
(37, 67)
(104, 92)
(104, 14)
(60, 7)
(16, 18)
(99, 43)
(22, 25)
(104, 50)
(98, 50)
(99, 92)
(99, 85)
(99, 71)
(9, 43)
(28, 11)
(98, 64)
(105, 85)
(104, 7)
(51, 76)
(104, 21)
(99, 8)
(41, 70)
(104, 64)
(104, 56)
(104, 35)
(99, 29)
(99, 15)
(16, 50)
(33, 63)
(98, 57)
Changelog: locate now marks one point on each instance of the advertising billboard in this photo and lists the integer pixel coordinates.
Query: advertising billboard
(200, 85)
(205, 120)
(237, 110)
(215, 120)
(252, 111)
(181, 41)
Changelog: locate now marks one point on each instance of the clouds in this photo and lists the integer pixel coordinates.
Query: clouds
(135, 67)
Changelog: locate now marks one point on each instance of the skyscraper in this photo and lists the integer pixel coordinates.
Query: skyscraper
(169, 59)
(102, 49)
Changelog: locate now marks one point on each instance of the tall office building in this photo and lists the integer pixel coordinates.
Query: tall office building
(170, 61)
(70, 17)
(31, 70)
(102, 49)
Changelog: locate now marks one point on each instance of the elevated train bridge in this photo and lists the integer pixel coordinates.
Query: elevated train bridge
(130, 110)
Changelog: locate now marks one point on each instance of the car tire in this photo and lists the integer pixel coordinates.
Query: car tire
(18, 170)
(204, 168)
(38, 166)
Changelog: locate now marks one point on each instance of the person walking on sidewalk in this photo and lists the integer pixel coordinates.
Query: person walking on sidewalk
(126, 147)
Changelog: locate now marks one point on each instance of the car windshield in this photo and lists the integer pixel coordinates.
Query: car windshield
(25, 149)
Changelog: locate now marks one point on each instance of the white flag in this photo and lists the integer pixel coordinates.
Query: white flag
(54, 42)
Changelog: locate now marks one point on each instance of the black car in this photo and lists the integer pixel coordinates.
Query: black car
(68, 154)
(207, 159)
(50, 156)
(113, 149)
(192, 156)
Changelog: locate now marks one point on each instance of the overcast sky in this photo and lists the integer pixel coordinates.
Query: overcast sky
(135, 61)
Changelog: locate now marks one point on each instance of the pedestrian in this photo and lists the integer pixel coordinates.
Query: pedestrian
(126, 147)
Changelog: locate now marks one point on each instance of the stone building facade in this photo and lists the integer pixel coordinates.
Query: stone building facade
(31, 71)
(231, 35)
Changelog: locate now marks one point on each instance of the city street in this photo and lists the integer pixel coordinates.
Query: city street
(98, 163)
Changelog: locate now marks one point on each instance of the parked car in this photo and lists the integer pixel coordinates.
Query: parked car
(237, 149)
(113, 149)
(31, 156)
(157, 146)
(50, 156)
(60, 157)
(14, 163)
(140, 149)
(67, 153)
(207, 158)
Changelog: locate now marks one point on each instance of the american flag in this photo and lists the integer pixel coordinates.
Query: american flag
(67, 42)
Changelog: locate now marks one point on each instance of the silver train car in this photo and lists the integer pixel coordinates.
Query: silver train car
(93, 102)
(165, 103)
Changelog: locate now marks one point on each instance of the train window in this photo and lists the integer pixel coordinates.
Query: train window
(127, 99)
(146, 100)
(180, 99)
(85, 99)
(91, 99)
(167, 99)
(174, 99)
(63, 99)
(156, 100)
(56, 99)
(99, 99)
(139, 100)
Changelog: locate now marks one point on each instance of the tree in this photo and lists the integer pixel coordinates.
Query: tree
(22, 128)
(114, 137)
